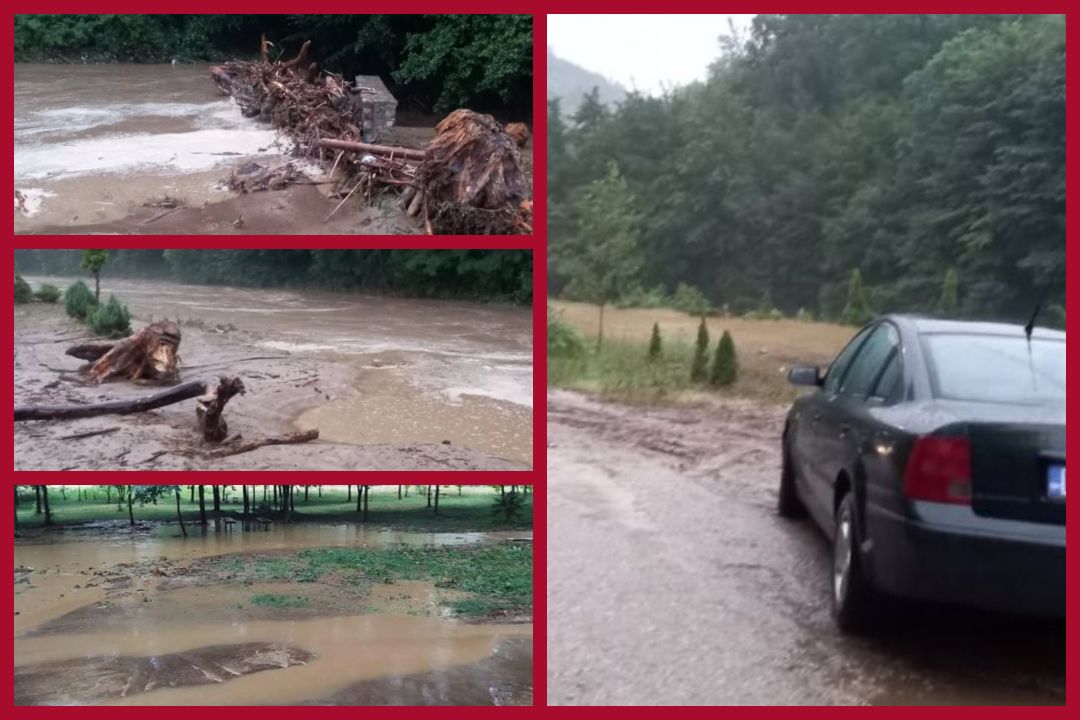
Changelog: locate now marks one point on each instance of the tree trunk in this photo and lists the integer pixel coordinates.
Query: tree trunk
(37, 498)
(179, 515)
(437, 489)
(150, 354)
(359, 497)
(97, 286)
(217, 498)
(131, 506)
(429, 496)
(246, 503)
(368, 149)
(307, 489)
(600, 331)
(45, 502)
(348, 493)
(202, 504)
(398, 492)
(367, 501)
(113, 407)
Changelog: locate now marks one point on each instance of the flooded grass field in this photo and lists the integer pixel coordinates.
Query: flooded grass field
(316, 612)
(389, 382)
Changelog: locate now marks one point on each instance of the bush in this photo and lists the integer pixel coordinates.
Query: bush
(79, 302)
(23, 293)
(111, 319)
(562, 340)
(656, 347)
(689, 299)
(725, 364)
(48, 293)
(804, 315)
(700, 367)
(641, 298)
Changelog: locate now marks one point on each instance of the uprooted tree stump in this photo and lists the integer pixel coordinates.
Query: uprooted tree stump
(148, 356)
(212, 404)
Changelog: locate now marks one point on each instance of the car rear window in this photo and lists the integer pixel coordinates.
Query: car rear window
(995, 368)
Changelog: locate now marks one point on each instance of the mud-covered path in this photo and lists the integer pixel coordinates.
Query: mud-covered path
(672, 581)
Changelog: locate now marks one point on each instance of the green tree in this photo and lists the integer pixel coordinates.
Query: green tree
(725, 367)
(48, 293)
(604, 258)
(857, 310)
(92, 262)
(699, 369)
(23, 293)
(78, 302)
(111, 319)
(655, 343)
(949, 302)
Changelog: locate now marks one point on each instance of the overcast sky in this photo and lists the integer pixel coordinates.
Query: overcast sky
(647, 52)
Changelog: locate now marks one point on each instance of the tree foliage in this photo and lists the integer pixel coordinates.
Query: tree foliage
(111, 319)
(487, 275)
(699, 368)
(23, 293)
(656, 346)
(79, 302)
(896, 145)
(725, 369)
(439, 62)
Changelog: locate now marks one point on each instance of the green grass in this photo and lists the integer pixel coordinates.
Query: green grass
(622, 369)
(471, 510)
(498, 578)
(279, 601)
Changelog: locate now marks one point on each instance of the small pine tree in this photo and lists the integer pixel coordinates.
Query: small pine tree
(700, 367)
(23, 293)
(656, 347)
(857, 311)
(725, 364)
(79, 301)
(48, 293)
(949, 302)
(111, 319)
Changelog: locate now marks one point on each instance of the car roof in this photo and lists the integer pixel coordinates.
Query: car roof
(928, 325)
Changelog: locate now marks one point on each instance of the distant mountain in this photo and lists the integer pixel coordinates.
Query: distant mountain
(570, 83)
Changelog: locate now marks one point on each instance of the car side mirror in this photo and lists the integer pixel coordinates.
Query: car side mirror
(805, 375)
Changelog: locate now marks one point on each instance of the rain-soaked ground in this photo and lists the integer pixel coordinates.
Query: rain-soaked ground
(105, 615)
(671, 580)
(98, 146)
(390, 383)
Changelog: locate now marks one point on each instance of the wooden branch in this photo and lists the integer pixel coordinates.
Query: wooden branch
(92, 433)
(89, 351)
(290, 439)
(173, 395)
(212, 404)
(299, 56)
(360, 147)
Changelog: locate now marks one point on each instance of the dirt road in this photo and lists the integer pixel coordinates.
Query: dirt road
(672, 581)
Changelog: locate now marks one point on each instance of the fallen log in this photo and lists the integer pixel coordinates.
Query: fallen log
(290, 439)
(176, 394)
(89, 351)
(361, 147)
(149, 355)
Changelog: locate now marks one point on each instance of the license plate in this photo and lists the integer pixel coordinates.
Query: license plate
(1055, 482)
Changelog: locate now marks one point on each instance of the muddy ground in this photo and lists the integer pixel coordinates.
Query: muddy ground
(285, 391)
(97, 147)
(180, 626)
(701, 594)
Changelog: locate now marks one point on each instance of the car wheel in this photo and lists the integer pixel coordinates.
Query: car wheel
(853, 601)
(788, 503)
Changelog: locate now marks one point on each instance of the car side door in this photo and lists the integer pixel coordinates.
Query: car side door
(848, 424)
(810, 445)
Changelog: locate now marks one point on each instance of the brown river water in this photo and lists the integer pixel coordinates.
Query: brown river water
(410, 371)
(96, 145)
(79, 640)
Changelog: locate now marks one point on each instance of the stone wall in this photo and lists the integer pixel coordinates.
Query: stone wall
(378, 108)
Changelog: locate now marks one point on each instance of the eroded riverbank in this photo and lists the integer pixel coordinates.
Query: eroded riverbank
(310, 614)
(391, 383)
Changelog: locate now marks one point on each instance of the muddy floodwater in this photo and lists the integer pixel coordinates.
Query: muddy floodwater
(673, 581)
(389, 382)
(98, 146)
(107, 616)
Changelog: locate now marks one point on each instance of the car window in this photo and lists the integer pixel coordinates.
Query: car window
(888, 385)
(996, 368)
(840, 364)
(866, 368)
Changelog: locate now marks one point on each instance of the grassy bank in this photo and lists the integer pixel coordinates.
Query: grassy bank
(474, 581)
(470, 508)
(621, 368)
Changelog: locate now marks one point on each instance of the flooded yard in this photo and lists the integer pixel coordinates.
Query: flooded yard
(297, 614)
(98, 146)
(389, 382)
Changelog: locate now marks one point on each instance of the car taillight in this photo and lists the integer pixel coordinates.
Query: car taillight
(939, 470)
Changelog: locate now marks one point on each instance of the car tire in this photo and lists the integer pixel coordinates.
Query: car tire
(853, 599)
(788, 503)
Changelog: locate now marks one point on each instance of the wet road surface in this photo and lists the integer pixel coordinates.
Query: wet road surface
(671, 581)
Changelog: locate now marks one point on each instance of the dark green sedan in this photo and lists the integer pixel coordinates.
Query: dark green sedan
(932, 455)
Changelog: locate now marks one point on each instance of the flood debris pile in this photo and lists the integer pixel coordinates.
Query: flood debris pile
(469, 180)
(151, 356)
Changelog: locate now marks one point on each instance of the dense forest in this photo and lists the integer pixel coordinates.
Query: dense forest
(488, 275)
(926, 152)
(437, 62)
